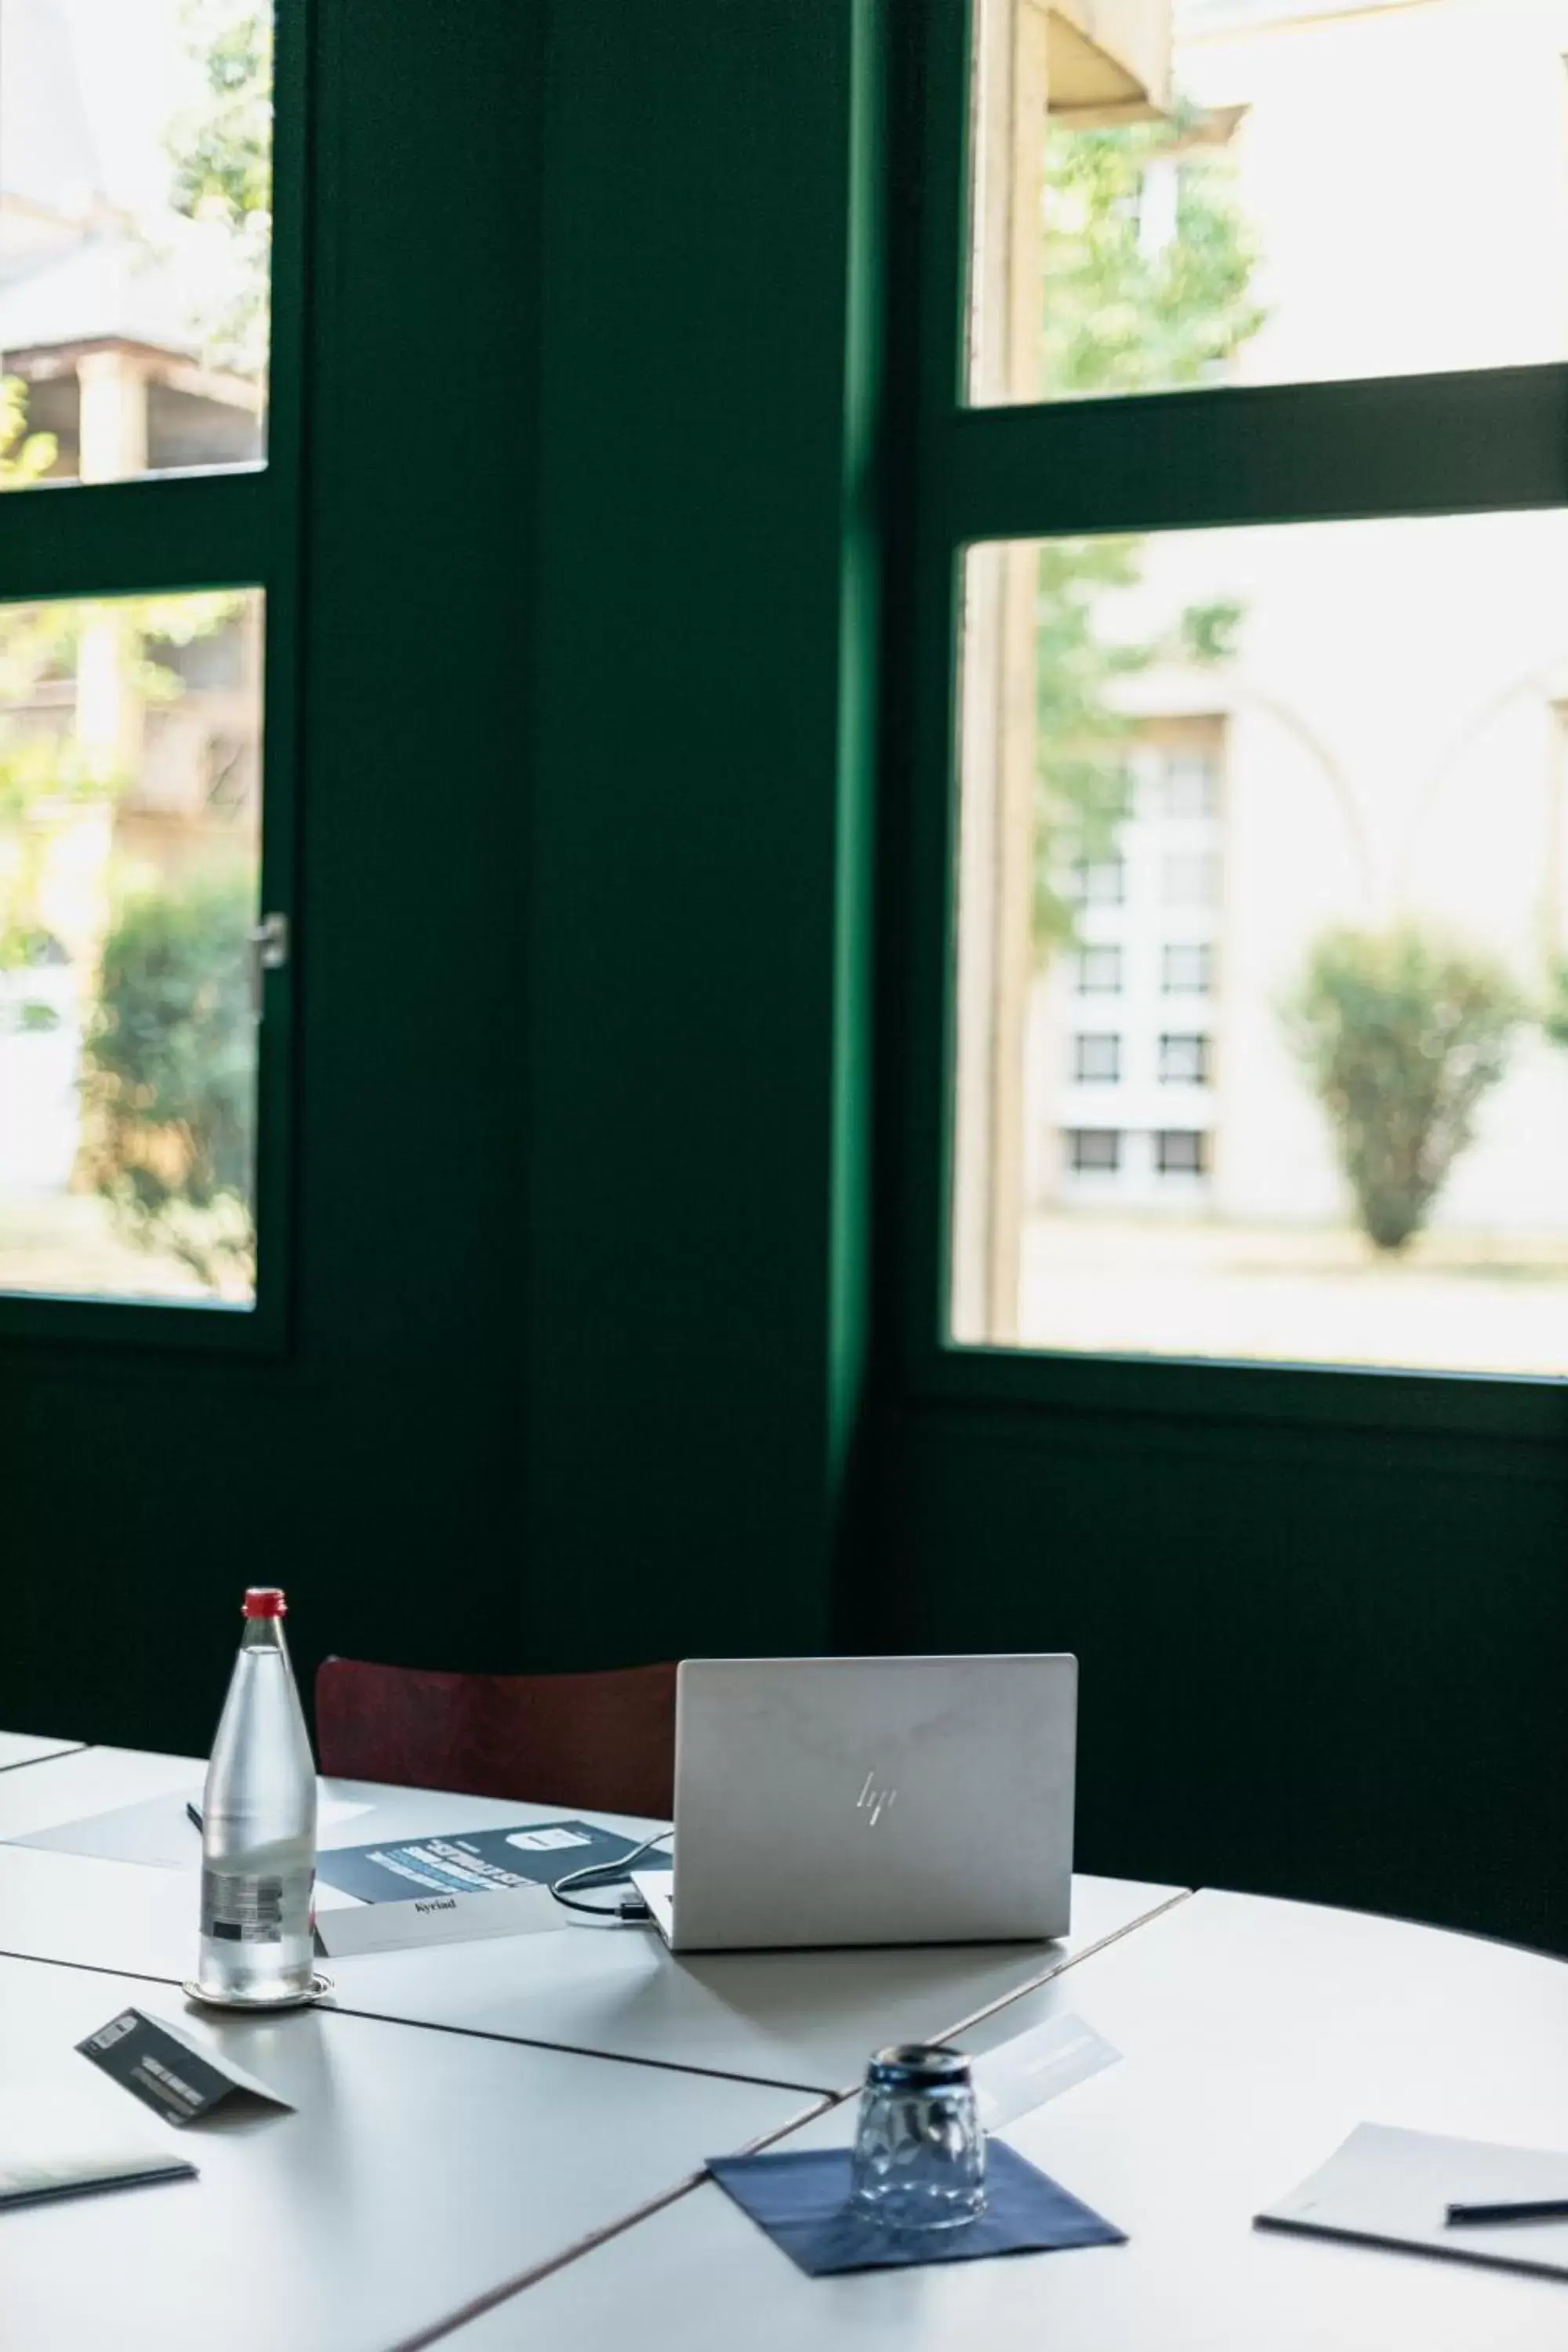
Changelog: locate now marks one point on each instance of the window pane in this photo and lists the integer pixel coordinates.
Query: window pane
(1307, 190)
(1189, 877)
(1093, 1151)
(1096, 1059)
(1339, 1077)
(1183, 1061)
(130, 850)
(1098, 882)
(1099, 972)
(1180, 1152)
(135, 235)
(1186, 971)
(1188, 784)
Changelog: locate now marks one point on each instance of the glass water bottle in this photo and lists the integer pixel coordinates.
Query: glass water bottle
(258, 1828)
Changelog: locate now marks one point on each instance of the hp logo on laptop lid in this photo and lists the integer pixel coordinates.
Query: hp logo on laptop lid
(873, 1801)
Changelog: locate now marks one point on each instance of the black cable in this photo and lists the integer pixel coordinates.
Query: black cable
(631, 1909)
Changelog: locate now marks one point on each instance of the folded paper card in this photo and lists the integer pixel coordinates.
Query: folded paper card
(1035, 2066)
(421, 1920)
(801, 2198)
(168, 2069)
(1391, 2188)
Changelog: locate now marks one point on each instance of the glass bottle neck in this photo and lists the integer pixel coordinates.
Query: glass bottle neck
(264, 1633)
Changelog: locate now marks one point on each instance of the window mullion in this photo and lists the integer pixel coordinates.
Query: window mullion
(197, 530)
(1300, 453)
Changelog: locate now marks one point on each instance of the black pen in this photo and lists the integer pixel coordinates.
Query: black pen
(192, 1815)
(1541, 2209)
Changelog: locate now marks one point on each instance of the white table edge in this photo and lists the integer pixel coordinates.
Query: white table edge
(51, 1755)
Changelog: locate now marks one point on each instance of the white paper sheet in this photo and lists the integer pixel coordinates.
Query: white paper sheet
(1393, 2187)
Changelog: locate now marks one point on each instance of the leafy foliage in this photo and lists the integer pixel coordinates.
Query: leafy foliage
(24, 457)
(1402, 1033)
(221, 158)
(1125, 312)
(40, 645)
(1082, 740)
(1554, 1014)
(37, 642)
(1120, 314)
(169, 1083)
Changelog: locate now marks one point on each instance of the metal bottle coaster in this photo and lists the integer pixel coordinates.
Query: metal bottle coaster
(320, 1989)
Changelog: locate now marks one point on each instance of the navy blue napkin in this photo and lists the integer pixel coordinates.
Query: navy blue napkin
(801, 2195)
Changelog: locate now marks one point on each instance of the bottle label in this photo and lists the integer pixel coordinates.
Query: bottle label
(243, 1908)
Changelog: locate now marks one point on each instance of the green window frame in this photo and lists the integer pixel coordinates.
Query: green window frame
(165, 534)
(1474, 442)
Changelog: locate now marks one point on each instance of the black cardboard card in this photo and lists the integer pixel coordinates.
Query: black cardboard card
(167, 2070)
(57, 2139)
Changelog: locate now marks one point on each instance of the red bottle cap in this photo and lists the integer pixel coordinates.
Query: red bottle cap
(265, 1600)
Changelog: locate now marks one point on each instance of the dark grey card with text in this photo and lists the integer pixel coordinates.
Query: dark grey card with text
(167, 2070)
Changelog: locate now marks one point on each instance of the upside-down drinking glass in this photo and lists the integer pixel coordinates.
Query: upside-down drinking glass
(920, 2152)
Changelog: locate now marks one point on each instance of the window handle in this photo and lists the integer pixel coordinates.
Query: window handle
(269, 952)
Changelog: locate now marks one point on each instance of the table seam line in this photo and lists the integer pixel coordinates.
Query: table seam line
(1049, 1976)
(818, 2091)
(581, 2050)
(831, 2092)
(86, 1968)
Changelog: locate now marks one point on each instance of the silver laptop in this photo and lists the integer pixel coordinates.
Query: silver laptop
(869, 1801)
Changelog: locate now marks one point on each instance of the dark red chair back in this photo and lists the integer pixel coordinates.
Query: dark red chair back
(602, 1742)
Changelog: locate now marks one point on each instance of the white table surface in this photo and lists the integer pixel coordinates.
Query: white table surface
(66, 1788)
(806, 2020)
(1253, 2036)
(809, 2019)
(24, 1748)
(421, 2172)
